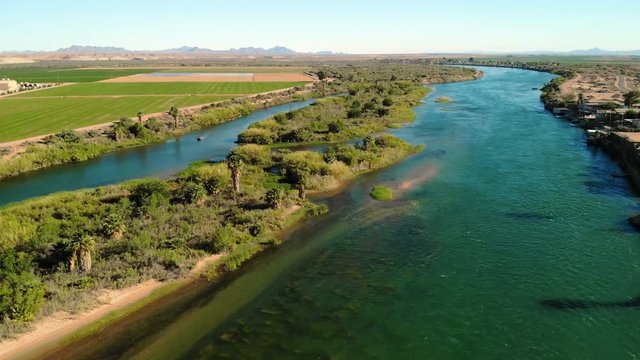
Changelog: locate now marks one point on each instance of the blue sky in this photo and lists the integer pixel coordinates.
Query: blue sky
(351, 26)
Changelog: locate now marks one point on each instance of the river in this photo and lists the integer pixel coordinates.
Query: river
(158, 160)
(509, 240)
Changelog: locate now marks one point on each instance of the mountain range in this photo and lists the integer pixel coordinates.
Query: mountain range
(276, 50)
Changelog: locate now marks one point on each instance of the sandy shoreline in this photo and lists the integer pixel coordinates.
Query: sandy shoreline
(49, 331)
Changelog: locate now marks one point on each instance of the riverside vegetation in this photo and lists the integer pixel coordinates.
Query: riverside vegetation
(74, 146)
(58, 250)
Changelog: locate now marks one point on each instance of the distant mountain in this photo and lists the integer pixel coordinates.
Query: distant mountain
(186, 49)
(74, 49)
(276, 50)
(597, 51)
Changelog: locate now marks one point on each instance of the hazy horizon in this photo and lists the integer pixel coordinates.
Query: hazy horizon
(355, 27)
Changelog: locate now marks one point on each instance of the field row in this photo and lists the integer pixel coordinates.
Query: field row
(60, 75)
(23, 118)
(88, 89)
(53, 75)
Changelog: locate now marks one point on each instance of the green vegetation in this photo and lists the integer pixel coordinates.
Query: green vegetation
(68, 146)
(38, 74)
(443, 99)
(212, 88)
(381, 193)
(24, 117)
(51, 110)
(69, 244)
(368, 108)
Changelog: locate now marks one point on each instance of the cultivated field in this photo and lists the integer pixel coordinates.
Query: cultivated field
(57, 75)
(198, 88)
(90, 101)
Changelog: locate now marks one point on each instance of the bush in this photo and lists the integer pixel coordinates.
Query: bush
(149, 194)
(256, 136)
(190, 193)
(253, 154)
(66, 136)
(228, 237)
(21, 292)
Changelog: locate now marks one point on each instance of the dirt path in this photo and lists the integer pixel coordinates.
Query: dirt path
(62, 324)
(621, 83)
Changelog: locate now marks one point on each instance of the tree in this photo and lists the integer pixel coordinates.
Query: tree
(21, 291)
(234, 162)
(301, 176)
(80, 248)
(139, 115)
(631, 98)
(581, 99)
(174, 112)
(274, 198)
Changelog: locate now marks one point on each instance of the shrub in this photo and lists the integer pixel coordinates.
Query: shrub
(228, 237)
(21, 292)
(190, 193)
(66, 136)
(256, 136)
(149, 194)
(254, 154)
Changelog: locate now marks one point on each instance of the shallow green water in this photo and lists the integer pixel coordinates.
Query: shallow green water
(510, 209)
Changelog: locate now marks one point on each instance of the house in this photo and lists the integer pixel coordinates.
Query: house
(8, 85)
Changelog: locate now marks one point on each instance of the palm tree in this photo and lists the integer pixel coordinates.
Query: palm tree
(274, 198)
(140, 116)
(631, 98)
(234, 162)
(174, 112)
(302, 178)
(80, 248)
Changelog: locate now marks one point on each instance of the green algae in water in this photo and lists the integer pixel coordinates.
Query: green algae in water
(381, 193)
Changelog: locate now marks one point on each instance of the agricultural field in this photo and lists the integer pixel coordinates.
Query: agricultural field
(88, 101)
(57, 75)
(160, 88)
(23, 117)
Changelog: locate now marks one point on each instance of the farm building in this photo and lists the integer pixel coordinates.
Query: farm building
(8, 85)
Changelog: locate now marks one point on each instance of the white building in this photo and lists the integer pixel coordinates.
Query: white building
(8, 85)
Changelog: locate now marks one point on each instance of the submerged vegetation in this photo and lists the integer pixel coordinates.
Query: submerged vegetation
(381, 193)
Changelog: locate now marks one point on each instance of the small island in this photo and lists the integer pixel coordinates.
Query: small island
(443, 99)
(381, 193)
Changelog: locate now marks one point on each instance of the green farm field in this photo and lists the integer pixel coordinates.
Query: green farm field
(23, 117)
(57, 75)
(88, 102)
(96, 89)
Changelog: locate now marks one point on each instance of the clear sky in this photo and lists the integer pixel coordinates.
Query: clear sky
(353, 26)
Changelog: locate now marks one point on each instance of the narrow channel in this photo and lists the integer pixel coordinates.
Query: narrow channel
(160, 160)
